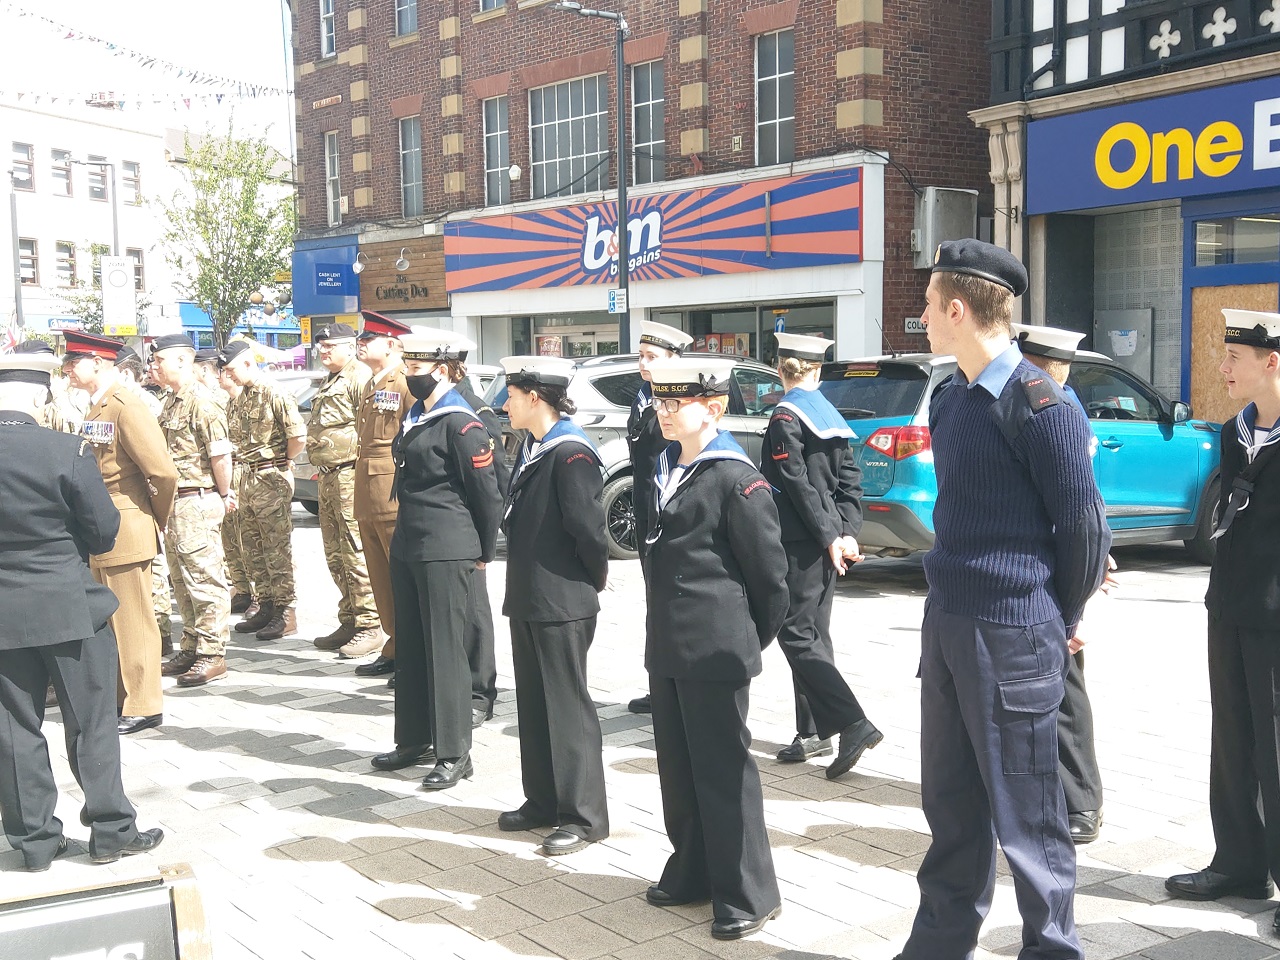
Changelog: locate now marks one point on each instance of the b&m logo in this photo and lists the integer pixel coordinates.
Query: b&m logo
(600, 244)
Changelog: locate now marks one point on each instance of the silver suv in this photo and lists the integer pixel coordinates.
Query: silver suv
(603, 389)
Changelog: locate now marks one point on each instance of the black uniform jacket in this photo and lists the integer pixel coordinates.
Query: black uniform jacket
(557, 553)
(450, 505)
(717, 591)
(646, 443)
(54, 512)
(493, 426)
(816, 480)
(1244, 582)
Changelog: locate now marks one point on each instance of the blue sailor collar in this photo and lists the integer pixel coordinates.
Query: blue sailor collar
(451, 402)
(816, 412)
(644, 396)
(1246, 419)
(564, 431)
(723, 447)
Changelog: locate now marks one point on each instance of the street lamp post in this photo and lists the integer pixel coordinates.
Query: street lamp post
(17, 252)
(622, 238)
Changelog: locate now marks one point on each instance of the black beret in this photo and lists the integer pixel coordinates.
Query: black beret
(333, 331)
(984, 260)
(231, 351)
(207, 355)
(125, 354)
(170, 341)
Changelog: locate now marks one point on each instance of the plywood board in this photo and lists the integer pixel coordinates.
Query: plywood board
(1209, 400)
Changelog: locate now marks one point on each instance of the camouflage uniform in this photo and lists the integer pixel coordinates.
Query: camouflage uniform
(331, 448)
(237, 572)
(196, 429)
(261, 421)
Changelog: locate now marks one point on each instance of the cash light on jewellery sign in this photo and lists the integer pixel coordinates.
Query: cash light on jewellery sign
(781, 223)
(1219, 140)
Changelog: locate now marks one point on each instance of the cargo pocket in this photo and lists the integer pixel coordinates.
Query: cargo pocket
(1027, 716)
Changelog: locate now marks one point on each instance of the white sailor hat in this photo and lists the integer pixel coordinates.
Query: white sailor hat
(530, 372)
(803, 347)
(661, 335)
(1253, 327)
(28, 367)
(1051, 342)
(696, 376)
(428, 343)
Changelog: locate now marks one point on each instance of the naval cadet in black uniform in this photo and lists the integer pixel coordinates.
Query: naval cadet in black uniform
(717, 595)
(448, 520)
(645, 442)
(817, 488)
(1244, 627)
(55, 627)
(557, 563)
(1020, 544)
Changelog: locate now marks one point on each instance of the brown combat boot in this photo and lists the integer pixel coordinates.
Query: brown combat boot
(204, 669)
(253, 622)
(179, 663)
(283, 622)
(338, 638)
(362, 644)
(241, 602)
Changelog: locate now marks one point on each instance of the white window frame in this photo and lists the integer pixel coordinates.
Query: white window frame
(768, 131)
(406, 17)
(497, 151)
(20, 165)
(333, 177)
(652, 154)
(492, 5)
(99, 179)
(328, 30)
(29, 261)
(131, 179)
(410, 168)
(64, 263)
(60, 170)
(574, 172)
(139, 274)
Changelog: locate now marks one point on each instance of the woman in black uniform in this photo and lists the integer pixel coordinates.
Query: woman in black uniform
(557, 561)
(716, 596)
(818, 491)
(450, 508)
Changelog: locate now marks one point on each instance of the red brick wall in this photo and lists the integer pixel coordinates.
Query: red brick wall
(935, 71)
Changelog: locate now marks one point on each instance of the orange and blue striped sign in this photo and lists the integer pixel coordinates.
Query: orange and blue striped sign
(811, 220)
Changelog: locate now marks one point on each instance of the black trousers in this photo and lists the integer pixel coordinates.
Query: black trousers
(989, 696)
(824, 703)
(479, 641)
(561, 749)
(712, 801)
(433, 678)
(84, 674)
(1077, 758)
(1244, 680)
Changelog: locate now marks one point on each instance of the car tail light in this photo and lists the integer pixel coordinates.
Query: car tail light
(899, 443)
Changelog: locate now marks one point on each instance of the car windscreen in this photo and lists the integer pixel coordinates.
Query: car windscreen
(863, 391)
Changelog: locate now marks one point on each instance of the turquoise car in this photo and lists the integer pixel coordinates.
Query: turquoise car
(1157, 468)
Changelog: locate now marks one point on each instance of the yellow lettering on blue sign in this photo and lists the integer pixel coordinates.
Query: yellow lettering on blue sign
(1214, 152)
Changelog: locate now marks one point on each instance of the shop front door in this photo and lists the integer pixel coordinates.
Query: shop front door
(1209, 400)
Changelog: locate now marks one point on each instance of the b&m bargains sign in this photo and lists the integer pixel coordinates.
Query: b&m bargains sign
(1220, 140)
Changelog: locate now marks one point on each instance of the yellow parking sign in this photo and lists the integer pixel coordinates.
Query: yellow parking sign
(304, 324)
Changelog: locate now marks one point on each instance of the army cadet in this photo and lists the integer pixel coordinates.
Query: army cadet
(331, 449)
(1021, 544)
(450, 508)
(1243, 601)
(817, 488)
(55, 626)
(644, 438)
(557, 563)
(207, 375)
(243, 595)
(268, 435)
(196, 429)
(717, 595)
(384, 403)
(135, 463)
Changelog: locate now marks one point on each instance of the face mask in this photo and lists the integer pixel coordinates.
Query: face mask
(422, 385)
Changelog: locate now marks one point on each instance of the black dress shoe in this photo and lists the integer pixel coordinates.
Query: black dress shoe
(391, 684)
(514, 820)
(379, 668)
(855, 740)
(402, 757)
(42, 867)
(144, 842)
(660, 898)
(447, 773)
(737, 929)
(641, 705)
(133, 724)
(804, 748)
(562, 842)
(1210, 885)
(1085, 826)
(480, 715)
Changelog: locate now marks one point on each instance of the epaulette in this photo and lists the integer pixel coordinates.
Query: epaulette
(1040, 393)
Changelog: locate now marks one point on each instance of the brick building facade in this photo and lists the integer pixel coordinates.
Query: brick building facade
(873, 82)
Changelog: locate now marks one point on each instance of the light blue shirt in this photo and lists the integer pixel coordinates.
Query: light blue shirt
(996, 374)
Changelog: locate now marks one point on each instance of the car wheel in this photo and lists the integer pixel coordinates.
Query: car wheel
(1201, 546)
(311, 506)
(620, 519)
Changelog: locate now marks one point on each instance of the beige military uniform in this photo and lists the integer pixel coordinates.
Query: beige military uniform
(140, 476)
(331, 448)
(384, 403)
(196, 429)
(260, 422)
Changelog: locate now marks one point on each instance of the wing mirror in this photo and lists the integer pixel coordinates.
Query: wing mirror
(1181, 412)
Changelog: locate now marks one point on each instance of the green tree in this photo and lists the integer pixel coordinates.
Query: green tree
(85, 299)
(230, 226)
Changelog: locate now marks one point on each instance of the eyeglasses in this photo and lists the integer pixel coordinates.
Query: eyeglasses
(670, 406)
